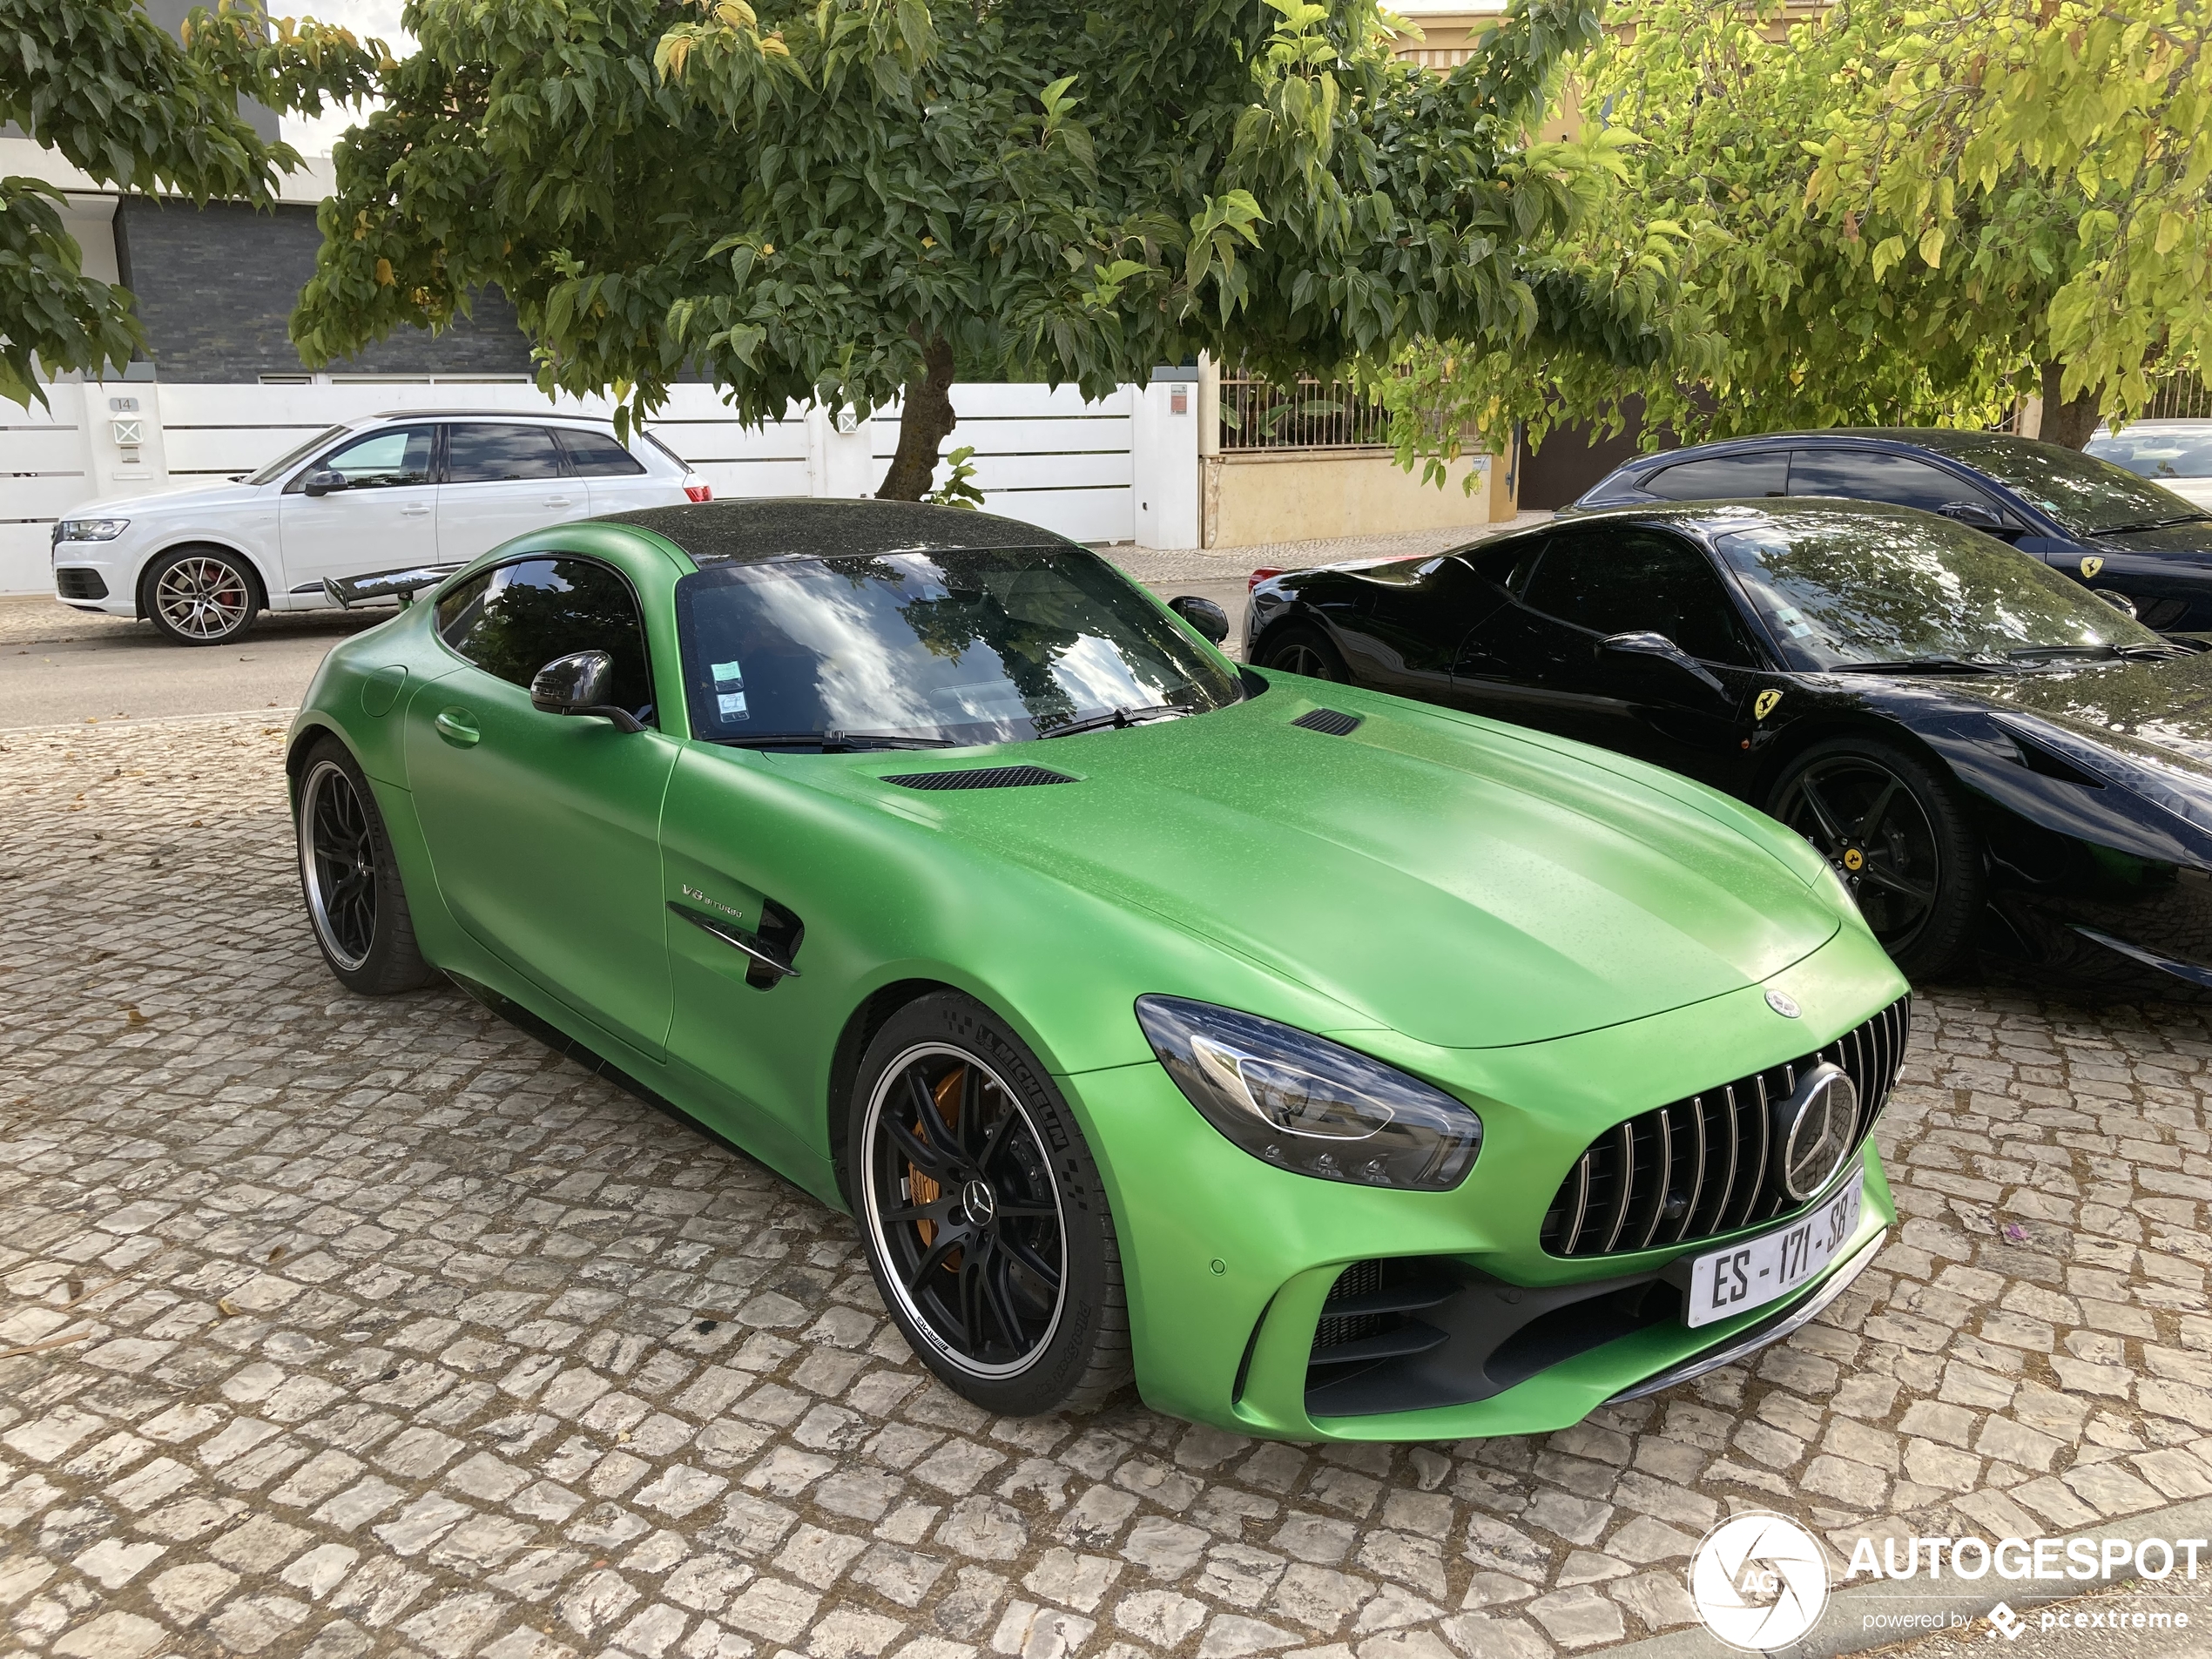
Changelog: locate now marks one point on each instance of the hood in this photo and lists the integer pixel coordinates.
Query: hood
(2192, 538)
(2164, 708)
(183, 498)
(1462, 883)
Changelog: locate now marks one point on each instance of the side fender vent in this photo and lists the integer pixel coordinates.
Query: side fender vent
(982, 778)
(1332, 722)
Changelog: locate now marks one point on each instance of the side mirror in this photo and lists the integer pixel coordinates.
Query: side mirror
(1655, 651)
(1972, 515)
(1204, 614)
(577, 683)
(2119, 602)
(322, 480)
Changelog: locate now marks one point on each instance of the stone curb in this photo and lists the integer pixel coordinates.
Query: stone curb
(1836, 1635)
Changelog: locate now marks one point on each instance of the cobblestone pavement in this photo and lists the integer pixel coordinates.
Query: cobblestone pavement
(335, 1327)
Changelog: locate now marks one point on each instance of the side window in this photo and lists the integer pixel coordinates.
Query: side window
(595, 455)
(1859, 474)
(514, 620)
(387, 460)
(1636, 582)
(483, 453)
(1509, 566)
(1723, 477)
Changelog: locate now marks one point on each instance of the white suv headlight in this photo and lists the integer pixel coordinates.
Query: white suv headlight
(91, 529)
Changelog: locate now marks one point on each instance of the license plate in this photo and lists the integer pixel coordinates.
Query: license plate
(1723, 1282)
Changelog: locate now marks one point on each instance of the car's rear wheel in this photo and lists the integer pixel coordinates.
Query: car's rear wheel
(986, 1223)
(1300, 650)
(201, 596)
(1901, 838)
(351, 880)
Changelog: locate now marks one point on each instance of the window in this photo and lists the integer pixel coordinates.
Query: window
(387, 460)
(513, 620)
(1723, 477)
(595, 455)
(1509, 566)
(1863, 474)
(2159, 452)
(291, 457)
(1638, 582)
(488, 454)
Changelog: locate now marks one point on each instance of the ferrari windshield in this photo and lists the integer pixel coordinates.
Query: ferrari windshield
(1839, 588)
(2090, 497)
(953, 646)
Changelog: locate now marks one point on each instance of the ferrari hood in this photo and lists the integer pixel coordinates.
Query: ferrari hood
(1463, 883)
(2164, 706)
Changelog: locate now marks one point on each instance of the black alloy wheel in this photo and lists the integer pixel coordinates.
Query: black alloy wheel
(351, 880)
(200, 595)
(994, 1253)
(1901, 840)
(1301, 649)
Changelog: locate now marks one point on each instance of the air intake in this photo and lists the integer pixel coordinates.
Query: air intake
(982, 778)
(1332, 722)
(1698, 1168)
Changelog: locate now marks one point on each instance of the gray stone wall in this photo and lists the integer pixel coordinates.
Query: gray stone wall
(216, 286)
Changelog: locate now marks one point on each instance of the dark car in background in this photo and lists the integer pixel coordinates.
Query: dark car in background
(1986, 753)
(2119, 533)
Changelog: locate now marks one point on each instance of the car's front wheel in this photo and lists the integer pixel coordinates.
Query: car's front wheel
(351, 879)
(986, 1223)
(1300, 650)
(1900, 836)
(201, 596)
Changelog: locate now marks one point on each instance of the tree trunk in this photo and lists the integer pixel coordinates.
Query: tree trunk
(924, 424)
(2068, 423)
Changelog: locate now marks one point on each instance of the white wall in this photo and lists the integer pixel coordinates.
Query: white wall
(1041, 455)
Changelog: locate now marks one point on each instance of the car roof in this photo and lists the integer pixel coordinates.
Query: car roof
(755, 531)
(488, 414)
(1951, 442)
(1715, 518)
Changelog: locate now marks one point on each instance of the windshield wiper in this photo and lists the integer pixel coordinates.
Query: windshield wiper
(832, 742)
(1116, 718)
(2152, 524)
(1924, 665)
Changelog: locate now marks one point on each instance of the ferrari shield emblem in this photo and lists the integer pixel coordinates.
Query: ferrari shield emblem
(1763, 704)
(2090, 567)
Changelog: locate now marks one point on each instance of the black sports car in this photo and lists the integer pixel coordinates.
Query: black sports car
(2100, 523)
(1986, 752)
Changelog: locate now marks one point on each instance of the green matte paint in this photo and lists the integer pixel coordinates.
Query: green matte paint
(1560, 937)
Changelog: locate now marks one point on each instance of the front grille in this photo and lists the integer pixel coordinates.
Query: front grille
(78, 584)
(982, 778)
(1698, 1168)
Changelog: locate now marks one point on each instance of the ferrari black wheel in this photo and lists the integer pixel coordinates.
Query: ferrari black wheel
(1300, 650)
(1901, 837)
(351, 880)
(986, 1224)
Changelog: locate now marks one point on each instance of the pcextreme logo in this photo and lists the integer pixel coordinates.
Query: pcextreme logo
(1759, 1581)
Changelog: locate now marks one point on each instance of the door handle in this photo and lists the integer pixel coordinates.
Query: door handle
(414, 512)
(457, 727)
(560, 501)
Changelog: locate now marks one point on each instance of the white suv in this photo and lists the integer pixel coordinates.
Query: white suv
(415, 487)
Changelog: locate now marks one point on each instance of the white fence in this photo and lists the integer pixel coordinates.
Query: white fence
(1043, 455)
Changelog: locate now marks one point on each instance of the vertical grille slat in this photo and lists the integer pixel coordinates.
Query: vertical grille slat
(1711, 1150)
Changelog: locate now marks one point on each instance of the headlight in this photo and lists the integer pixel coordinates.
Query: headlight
(1307, 1105)
(91, 529)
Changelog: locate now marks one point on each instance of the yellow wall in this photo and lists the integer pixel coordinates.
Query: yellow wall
(1253, 497)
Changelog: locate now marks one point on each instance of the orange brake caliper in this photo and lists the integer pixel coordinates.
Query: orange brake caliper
(924, 1189)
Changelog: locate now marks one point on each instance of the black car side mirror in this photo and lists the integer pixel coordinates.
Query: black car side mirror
(2119, 602)
(1204, 614)
(1656, 648)
(577, 683)
(1972, 515)
(322, 480)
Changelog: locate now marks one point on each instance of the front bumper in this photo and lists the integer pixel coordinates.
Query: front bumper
(1229, 1263)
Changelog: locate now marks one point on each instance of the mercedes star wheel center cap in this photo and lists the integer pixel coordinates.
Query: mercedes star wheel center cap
(976, 1199)
(1818, 1121)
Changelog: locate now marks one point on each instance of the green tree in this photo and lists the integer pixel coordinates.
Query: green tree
(1893, 211)
(850, 200)
(97, 82)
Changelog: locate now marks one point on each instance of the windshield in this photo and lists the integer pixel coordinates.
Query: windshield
(2159, 452)
(2088, 495)
(292, 458)
(1880, 585)
(973, 645)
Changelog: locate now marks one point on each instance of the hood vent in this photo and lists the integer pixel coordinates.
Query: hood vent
(982, 778)
(1332, 722)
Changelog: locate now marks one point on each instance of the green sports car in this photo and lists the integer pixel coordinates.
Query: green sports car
(1343, 1069)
